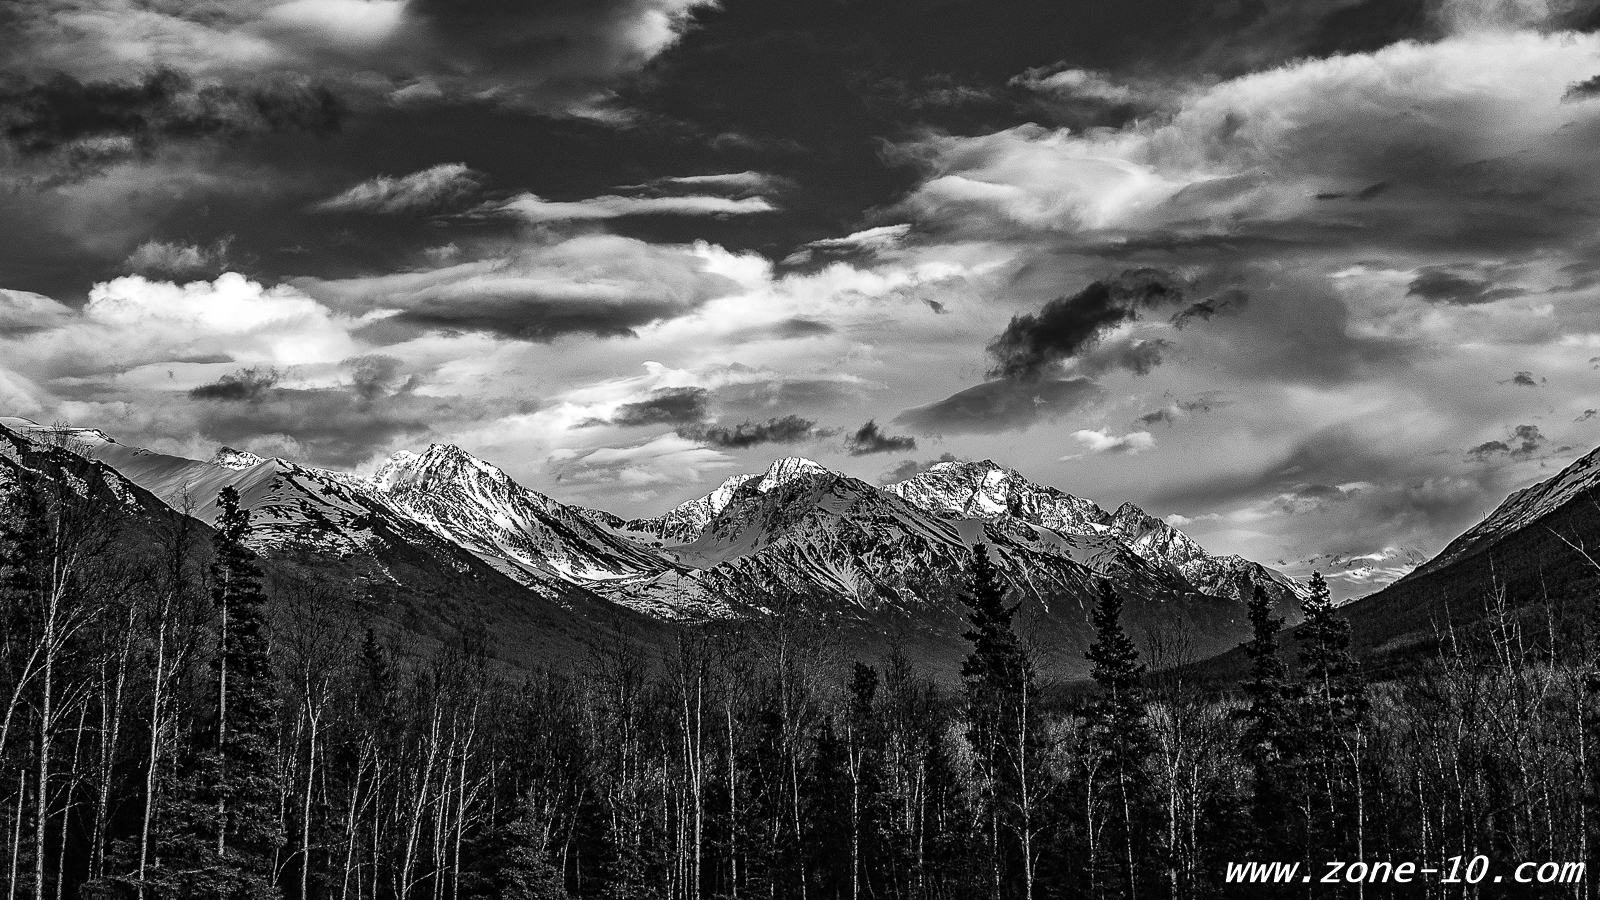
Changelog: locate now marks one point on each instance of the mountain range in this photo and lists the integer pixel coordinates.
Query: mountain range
(873, 564)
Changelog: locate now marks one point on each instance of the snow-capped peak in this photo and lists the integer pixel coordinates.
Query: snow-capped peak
(229, 458)
(986, 490)
(439, 464)
(786, 470)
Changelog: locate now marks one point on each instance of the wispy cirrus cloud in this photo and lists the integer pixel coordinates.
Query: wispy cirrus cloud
(418, 192)
(532, 208)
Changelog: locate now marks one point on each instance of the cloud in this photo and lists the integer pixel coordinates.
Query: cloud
(1103, 441)
(1033, 344)
(1183, 409)
(1587, 415)
(161, 260)
(1316, 497)
(343, 425)
(747, 182)
(245, 385)
(1228, 301)
(911, 468)
(1136, 355)
(781, 430)
(1002, 405)
(1442, 284)
(1582, 90)
(1488, 158)
(601, 285)
(865, 243)
(373, 375)
(1525, 441)
(24, 312)
(869, 439)
(80, 127)
(133, 320)
(531, 208)
(417, 192)
(329, 426)
(1078, 84)
(665, 406)
(1523, 379)
(667, 459)
(551, 58)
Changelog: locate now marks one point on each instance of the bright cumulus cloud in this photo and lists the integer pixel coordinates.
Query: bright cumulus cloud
(232, 314)
(1103, 441)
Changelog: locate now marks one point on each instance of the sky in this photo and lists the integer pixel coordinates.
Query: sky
(1313, 280)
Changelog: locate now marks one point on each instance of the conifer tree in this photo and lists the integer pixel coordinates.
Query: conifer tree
(1002, 724)
(249, 829)
(1266, 743)
(1121, 734)
(1332, 703)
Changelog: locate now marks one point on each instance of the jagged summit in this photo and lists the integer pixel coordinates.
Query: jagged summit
(986, 489)
(439, 464)
(787, 469)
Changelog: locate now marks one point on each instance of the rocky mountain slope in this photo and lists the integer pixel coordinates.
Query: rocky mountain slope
(326, 527)
(1532, 566)
(874, 562)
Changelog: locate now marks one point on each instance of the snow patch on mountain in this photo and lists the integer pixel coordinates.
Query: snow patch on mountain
(477, 505)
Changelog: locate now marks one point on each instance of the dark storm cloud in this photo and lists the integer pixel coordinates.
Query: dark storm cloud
(869, 439)
(1525, 441)
(1587, 415)
(1583, 90)
(1442, 284)
(1033, 344)
(250, 385)
(1024, 388)
(534, 318)
(667, 406)
(327, 427)
(82, 126)
(337, 426)
(911, 468)
(372, 376)
(1228, 301)
(1523, 379)
(781, 430)
(1002, 405)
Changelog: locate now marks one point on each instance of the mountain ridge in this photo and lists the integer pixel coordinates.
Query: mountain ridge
(879, 559)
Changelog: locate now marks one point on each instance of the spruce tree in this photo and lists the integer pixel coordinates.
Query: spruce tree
(1002, 724)
(1121, 734)
(1332, 704)
(1266, 743)
(247, 711)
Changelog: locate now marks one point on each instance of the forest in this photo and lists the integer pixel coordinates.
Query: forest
(178, 723)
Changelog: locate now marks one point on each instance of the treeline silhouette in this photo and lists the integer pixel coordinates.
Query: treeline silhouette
(177, 725)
